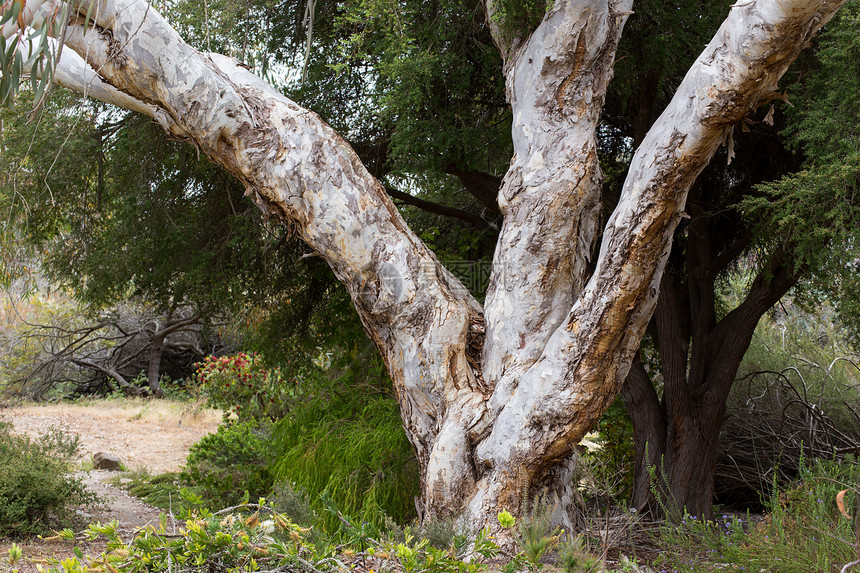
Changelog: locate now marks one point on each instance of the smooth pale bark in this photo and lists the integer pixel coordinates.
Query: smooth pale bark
(550, 197)
(544, 388)
(32, 14)
(298, 169)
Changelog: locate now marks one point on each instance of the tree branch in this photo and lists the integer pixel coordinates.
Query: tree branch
(109, 372)
(551, 194)
(437, 209)
(482, 186)
(732, 335)
(417, 313)
(173, 325)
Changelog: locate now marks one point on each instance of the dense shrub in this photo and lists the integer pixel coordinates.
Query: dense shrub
(233, 460)
(37, 488)
(265, 540)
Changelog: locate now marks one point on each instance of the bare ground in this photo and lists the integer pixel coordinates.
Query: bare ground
(152, 435)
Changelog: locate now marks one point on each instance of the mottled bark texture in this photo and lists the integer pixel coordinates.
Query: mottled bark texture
(490, 427)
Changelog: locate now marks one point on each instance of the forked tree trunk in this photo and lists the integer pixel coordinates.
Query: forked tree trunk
(157, 345)
(490, 427)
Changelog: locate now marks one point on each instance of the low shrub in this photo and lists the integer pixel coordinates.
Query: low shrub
(260, 539)
(236, 459)
(294, 503)
(38, 490)
(162, 491)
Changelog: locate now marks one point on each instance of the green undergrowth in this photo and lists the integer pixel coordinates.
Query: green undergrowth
(233, 463)
(345, 447)
(38, 488)
(255, 537)
(164, 491)
(804, 529)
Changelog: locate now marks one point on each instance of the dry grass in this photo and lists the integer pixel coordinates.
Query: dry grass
(147, 434)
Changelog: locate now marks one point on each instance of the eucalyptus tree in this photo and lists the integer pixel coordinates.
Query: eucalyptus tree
(763, 213)
(495, 396)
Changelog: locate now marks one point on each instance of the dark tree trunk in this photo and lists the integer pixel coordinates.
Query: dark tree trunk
(153, 373)
(649, 433)
(158, 343)
(690, 457)
(676, 436)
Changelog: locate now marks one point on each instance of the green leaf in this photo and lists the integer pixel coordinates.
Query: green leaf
(17, 66)
(10, 50)
(88, 19)
(5, 88)
(12, 13)
(43, 82)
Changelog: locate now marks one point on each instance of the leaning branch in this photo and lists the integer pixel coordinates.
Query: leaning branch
(437, 209)
(298, 170)
(73, 73)
(124, 384)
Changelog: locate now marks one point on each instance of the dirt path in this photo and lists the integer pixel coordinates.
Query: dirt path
(150, 435)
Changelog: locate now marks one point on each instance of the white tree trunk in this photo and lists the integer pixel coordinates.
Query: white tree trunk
(550, 197)
(488, 429)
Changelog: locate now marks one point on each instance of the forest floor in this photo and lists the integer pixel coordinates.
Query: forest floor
(148, 435)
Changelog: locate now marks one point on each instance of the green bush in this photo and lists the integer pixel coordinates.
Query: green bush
(37, 488)
(233, 460)
(162, 490)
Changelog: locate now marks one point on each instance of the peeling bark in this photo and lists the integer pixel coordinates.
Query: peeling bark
(493, 399)
(550, 197)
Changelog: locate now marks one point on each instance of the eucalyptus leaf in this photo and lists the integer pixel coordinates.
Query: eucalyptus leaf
(88, 17)
(5, 89)
(12, 13)
(10, 50)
